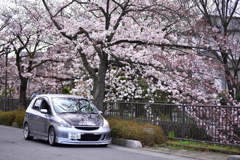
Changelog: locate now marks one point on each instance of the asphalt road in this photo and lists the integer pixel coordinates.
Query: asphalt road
(14, 147)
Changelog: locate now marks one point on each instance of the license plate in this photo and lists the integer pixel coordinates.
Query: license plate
(74, 135)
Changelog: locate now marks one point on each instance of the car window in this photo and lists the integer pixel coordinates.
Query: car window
(46, 106)
(37, 104)
(66, 105)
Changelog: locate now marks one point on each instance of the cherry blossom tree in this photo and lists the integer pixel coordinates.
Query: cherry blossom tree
(136, 48)
(27, 33)
(133, 38)
(220, 30)
(5, 18)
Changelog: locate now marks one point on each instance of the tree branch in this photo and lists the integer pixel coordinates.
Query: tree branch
(155, 44)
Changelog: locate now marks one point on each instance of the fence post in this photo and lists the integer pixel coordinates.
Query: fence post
(183, 123)
(132, 109)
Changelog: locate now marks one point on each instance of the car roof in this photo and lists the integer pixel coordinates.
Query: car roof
(60, 95)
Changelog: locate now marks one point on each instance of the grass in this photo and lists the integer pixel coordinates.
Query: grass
(199, 146)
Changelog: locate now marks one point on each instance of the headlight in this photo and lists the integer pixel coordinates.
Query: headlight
(105, 123)
(63, 123)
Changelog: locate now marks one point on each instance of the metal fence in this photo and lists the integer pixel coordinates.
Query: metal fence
(214, 124)
(10, 104)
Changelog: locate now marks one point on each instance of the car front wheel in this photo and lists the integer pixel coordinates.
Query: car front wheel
(51, 136)
(26, 132)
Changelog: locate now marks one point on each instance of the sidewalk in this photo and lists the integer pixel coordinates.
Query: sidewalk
(198, 155)
(190, 154)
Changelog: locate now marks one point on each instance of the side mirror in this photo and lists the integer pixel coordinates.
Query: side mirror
(100, 112)
(44, 111)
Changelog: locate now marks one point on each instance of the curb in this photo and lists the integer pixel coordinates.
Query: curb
(234, 157)
(127, 142)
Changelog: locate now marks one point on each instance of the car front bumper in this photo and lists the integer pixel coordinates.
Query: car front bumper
(101, 136)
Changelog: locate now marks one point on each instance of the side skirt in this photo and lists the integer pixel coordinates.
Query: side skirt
(36, 136)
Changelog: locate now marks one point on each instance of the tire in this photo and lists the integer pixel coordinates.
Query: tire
(52, 136)
(26, 132)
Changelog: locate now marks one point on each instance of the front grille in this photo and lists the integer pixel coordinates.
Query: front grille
(87, 128)
(90, 137)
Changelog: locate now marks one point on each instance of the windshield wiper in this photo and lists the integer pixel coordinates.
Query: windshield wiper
(93, 113)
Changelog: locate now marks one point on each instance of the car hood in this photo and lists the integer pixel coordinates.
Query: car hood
(76, 119)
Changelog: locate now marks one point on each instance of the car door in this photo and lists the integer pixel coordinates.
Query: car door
(34, 116)
(44, 118)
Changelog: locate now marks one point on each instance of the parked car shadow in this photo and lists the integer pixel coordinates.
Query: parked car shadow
(44, 142)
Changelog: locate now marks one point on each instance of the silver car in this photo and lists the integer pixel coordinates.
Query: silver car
(65, 119)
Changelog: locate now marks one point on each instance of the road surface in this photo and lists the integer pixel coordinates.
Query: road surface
(14, 147)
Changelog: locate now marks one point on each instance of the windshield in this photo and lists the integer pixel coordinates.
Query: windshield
(72, 105)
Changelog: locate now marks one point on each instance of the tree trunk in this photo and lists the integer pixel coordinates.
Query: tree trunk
(98, 92)
(23, 89)
(99, 83)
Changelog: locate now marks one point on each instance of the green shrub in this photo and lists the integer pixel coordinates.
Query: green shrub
(2, 114)
(7, 118)
(20, 114)
(147, 134)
